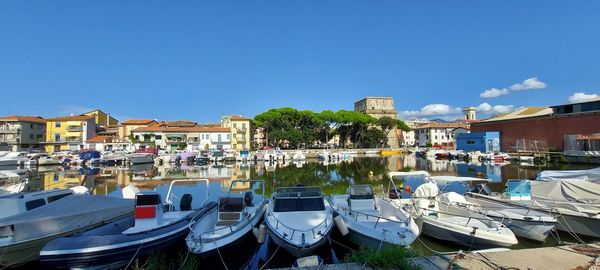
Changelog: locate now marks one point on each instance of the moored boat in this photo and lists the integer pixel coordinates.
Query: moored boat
(372, 221)
(299, 219)
(235, 217)
(151, 228)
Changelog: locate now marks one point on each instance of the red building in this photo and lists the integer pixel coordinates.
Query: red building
(547, 124)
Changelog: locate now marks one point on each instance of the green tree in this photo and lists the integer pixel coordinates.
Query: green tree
(373, 137)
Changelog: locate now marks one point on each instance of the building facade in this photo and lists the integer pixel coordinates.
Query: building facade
(20, 133)
(125, 128)
(408, 138)
(379, 107)
(438, 134)
(478, 141)
(101, 118)
(194, 138)
(69, 133)
(241, 131)
(259, 139)
(548, 125)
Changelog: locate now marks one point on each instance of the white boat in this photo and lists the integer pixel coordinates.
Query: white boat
(456, 224)
(576, 203)
(235, 217)
(496, 157)
(299, 219)
(524, 222)
(299, 156)
(372, 221)
(14, 159)
(592, 175)
(230, 155)
(140, 158)
(11, 182)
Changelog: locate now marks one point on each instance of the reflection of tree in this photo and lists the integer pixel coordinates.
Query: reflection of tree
(332, 178)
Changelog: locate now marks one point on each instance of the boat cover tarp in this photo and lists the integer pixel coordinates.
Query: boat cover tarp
(427, 190)
(67, 214)
(592, 175)
(570, 190)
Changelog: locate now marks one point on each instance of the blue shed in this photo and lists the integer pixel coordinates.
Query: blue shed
(478, 141)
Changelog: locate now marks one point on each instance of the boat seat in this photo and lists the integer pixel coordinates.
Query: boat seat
(186, 202)
(362, 205)
(228, 218)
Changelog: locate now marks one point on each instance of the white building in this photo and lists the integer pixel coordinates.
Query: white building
(408, 137)
(438, 134)
(192, 138)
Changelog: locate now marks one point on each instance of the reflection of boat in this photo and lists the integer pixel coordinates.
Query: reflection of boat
(299, 156)
(372, 221)
(22, 236)
(299, 219)
(141, 158)
(153, 227)
(235, 217)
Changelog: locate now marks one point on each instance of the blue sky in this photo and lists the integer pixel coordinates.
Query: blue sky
(198, 60)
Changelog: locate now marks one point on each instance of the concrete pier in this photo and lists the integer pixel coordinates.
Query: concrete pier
(560, 257)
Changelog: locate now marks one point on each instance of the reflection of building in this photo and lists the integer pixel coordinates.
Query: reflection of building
(62, 180)
(550, 125)
(379, 107)
(18, 133)
(69, 132)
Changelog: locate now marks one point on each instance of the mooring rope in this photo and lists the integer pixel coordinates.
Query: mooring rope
(134, 255)
(269, 260)
(221, 257)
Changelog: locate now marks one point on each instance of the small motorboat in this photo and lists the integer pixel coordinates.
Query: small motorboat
(524, 222)
(140, 158)
(152, 227)
(235, 217)
(372, 221)
(22, 236)
(455, 224)
(299, 219)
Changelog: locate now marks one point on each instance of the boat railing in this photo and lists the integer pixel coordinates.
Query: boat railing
(356, 214)
(170, 195)
(484, 219)
(323, 223)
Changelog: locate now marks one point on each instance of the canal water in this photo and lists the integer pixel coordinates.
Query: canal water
(333, 178)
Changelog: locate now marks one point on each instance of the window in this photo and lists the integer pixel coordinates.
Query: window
(56, 197)
(31, 126)
(243, 126)
(219, 138)
(57, 136)
(158, 137)
(234, 125)
(228, 136)
(470, 142)
(39, 136)
(34, 204)
(57, 124)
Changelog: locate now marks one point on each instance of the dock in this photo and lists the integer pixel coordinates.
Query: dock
(560, 257)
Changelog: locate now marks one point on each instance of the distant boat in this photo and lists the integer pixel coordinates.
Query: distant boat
(141, 158)
(13, 159)
(390, 152)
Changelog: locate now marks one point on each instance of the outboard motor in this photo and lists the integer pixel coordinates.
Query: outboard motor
(148, 209)
(248, 198)
(186, 202)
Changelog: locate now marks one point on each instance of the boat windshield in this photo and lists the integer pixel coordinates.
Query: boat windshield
(299, 204)
(361, 192)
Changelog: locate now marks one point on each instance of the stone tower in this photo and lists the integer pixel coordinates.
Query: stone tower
(470, 113)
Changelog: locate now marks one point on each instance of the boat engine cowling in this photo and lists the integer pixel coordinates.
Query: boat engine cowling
(148, 209)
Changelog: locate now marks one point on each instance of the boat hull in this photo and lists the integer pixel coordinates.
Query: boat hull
(533, 230)
(441, 232)
(299, 251)
(579, 225)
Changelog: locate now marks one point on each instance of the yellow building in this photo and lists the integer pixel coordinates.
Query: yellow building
(69, 132)
(241, 135)
(102, 118)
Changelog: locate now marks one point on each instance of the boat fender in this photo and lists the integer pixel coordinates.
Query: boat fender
(260, 233)
(341, 225)
(479, 158)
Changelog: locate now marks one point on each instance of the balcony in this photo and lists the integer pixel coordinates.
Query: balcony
(10, 130)
(74, 128)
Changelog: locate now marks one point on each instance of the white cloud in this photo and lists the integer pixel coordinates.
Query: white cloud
(494, 92)
(502, 108)
(581, 97)
(528, 84)
(486, 108)
(431, 110)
